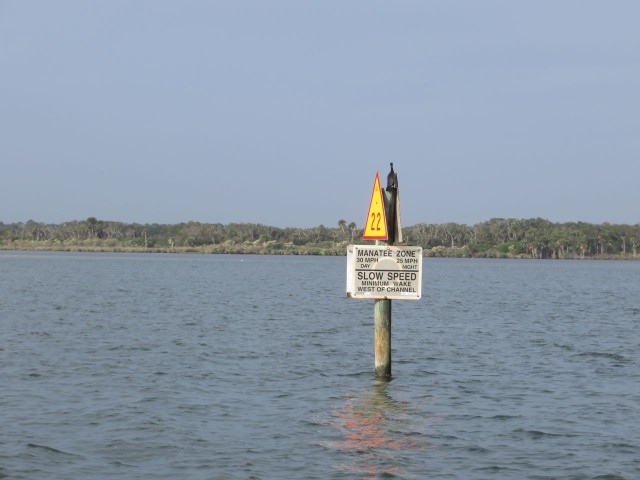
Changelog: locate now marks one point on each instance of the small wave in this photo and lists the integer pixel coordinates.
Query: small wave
(613, 356)
(540, 434)
(478, 449)
(625, 446)
(50, 449)
(504, 417)
(537, 434)
(495, 468)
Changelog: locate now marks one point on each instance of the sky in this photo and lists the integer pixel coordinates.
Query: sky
(281, 112)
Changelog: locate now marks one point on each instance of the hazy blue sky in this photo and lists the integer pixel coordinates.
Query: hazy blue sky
(281, 112)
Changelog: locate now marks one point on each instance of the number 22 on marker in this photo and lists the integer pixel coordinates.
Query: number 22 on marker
(375, 221)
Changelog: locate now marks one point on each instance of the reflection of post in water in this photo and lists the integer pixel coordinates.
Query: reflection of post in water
(370, 429)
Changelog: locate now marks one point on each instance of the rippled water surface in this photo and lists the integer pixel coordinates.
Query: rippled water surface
(214, 367)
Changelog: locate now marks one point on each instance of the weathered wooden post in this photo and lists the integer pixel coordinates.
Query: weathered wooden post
(382, 307)
(385, 271)
(382, 338)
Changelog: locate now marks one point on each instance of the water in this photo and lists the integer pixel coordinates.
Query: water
(239, 367)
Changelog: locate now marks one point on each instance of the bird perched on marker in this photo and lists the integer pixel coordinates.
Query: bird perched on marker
(392, 180)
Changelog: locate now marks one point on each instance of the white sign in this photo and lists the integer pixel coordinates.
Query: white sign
(384, 271)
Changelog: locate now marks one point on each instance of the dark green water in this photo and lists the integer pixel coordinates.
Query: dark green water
(215, 367)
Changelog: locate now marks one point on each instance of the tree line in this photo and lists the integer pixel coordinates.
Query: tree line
(527, 238)
(495, 238)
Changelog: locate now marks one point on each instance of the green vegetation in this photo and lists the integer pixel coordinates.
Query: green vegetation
(496, 238)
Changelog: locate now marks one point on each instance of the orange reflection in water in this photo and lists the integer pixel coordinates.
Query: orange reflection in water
(365, 426)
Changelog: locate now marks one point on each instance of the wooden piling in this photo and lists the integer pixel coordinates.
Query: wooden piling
(382, 307)
(382, 338)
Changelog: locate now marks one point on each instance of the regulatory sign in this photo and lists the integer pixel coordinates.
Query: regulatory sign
(375, 226)
(384, 271)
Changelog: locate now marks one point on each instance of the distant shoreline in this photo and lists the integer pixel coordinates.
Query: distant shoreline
(534, 238)
(336, 251)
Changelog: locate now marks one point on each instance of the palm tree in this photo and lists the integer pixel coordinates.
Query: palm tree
(352, 228)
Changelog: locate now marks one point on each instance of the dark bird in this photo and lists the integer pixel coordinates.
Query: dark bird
(392, 180)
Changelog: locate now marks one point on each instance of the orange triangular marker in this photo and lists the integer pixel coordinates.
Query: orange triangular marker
(376, 222)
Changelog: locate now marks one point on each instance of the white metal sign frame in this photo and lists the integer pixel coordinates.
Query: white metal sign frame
(384, 271)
